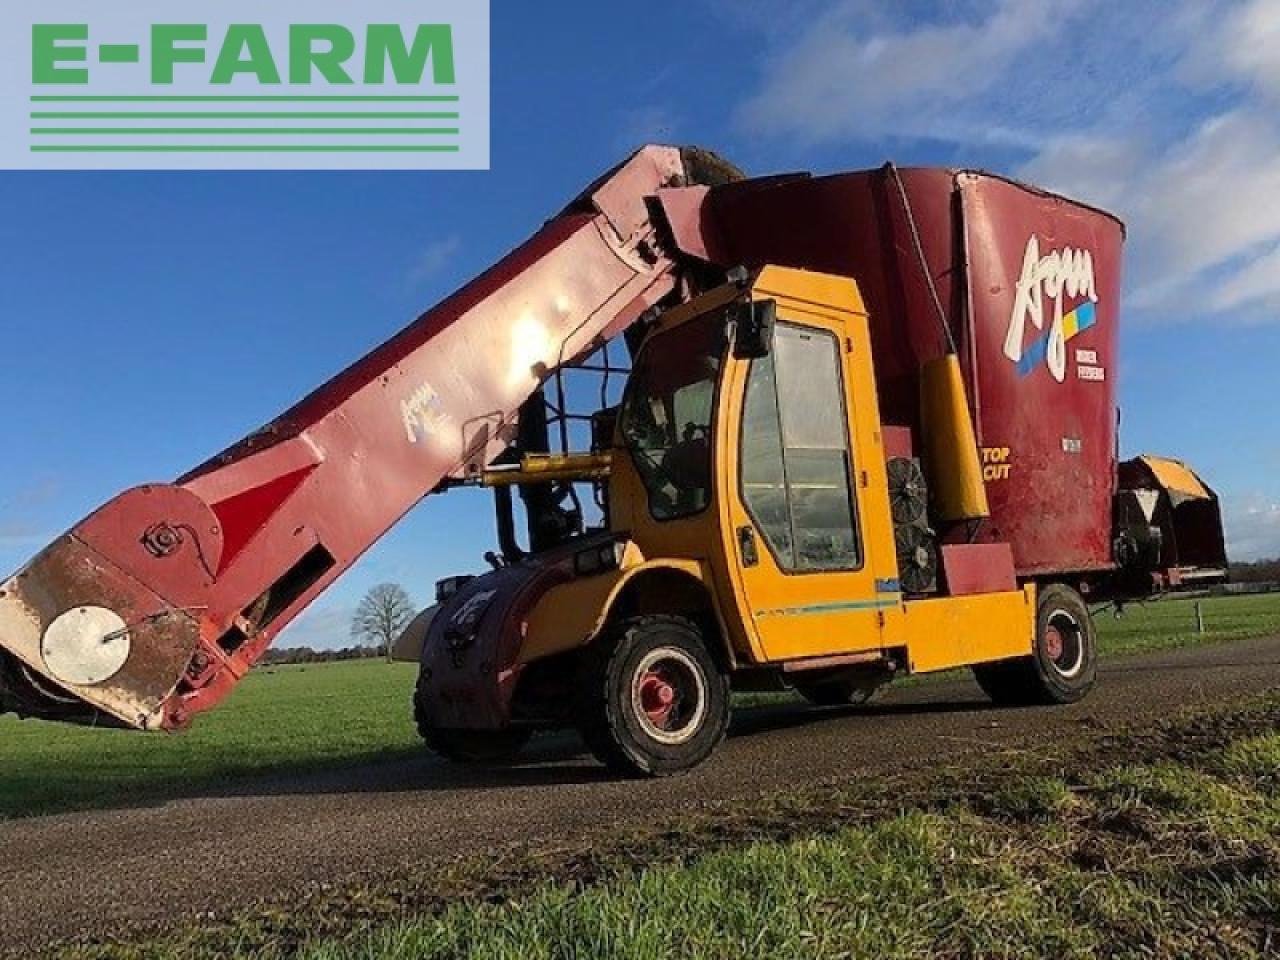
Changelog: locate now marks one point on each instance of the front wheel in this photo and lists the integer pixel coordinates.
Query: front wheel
(1063, 667)
(652, 700)
(476, 746)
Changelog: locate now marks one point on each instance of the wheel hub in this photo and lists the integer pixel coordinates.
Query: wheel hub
(657, 697)
(1063, 643)
(1053, 642)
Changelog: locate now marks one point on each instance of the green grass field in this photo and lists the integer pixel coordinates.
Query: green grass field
(279, 719)
(287, 719)
(1164, 624)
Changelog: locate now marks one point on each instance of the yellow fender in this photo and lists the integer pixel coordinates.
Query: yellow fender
(571, 615)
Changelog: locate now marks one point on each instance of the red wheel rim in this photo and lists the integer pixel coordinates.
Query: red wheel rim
(1053, 642)
(669, 695)
(657, 697)
(1063, 643)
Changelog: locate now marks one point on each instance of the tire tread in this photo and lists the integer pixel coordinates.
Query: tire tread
(598, 720)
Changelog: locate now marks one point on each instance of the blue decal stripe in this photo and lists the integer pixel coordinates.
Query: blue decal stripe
(1086, 316)
(1076, 322)
(1034, 356)
(820, 608)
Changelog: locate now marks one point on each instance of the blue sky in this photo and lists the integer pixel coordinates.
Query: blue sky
(150, 319)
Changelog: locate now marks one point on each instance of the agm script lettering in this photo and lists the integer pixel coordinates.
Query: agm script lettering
(1064, 273)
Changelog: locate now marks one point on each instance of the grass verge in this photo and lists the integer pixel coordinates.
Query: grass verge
(1162, 843)
(279, 720)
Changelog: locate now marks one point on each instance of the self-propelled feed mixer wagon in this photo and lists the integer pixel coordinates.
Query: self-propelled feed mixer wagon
(867, 428)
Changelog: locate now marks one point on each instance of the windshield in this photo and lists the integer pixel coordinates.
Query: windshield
(667, 416)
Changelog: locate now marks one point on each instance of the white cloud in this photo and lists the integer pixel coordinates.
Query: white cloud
(1253, 528)
(1098, 168)
(1204, 200)
(1249, 44)
(434, 258)
(1160, 111)
(843, 78)
(1201, 224)
(1255, 283)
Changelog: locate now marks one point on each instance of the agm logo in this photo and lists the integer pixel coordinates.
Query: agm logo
(1046, 285)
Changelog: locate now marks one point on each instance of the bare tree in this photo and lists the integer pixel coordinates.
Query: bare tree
(382, 615)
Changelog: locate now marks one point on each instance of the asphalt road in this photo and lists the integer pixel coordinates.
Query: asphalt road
(170, 863)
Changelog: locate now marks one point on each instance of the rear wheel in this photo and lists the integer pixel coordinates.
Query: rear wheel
(1064, 664)
(652, 700)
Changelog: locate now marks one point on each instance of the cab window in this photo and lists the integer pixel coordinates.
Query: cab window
(667, 416)
(796, 465)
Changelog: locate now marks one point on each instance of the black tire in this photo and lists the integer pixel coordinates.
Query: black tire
(652, 701)
(469, 746)
(476, 746)
(838, 691)
(1064, 666)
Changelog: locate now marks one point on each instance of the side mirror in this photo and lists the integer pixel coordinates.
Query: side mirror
(753, 329)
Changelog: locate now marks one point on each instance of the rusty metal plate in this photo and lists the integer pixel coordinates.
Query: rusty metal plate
(70, 577)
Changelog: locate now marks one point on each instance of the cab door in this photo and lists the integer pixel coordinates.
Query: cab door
(800, 513)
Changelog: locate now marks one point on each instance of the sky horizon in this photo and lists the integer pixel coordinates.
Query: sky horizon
(155, 318)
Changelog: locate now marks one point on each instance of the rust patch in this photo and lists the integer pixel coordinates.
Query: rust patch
(69, 574)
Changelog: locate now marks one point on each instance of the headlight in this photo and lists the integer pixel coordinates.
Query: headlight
(599, 559)
(447, 587)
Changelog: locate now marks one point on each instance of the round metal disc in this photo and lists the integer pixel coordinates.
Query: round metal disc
(85, 646)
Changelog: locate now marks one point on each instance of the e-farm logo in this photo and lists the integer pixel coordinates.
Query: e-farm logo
(145, 85)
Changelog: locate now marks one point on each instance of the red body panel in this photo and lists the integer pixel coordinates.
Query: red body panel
(972, 568)
(1048, 432)
(471, 658)
(1055, 414)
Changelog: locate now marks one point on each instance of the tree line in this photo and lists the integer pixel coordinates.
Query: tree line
(1259, 571)
(282, 655)
(379, 620)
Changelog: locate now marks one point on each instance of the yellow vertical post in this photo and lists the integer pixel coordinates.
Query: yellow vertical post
(951, 458)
